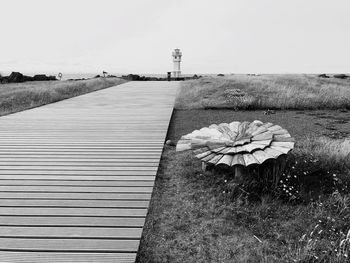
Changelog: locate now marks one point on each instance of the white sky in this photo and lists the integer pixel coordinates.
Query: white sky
(226, 36)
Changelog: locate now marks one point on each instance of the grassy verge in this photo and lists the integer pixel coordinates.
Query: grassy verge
(22, 96)
(194, 217)
(264, 92)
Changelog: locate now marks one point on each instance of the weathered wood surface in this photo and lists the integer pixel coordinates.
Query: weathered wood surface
(76, 176)
(237, 143)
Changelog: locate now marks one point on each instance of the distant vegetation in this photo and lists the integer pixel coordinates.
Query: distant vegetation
(135, 77)
(251, 92)
(20, 96)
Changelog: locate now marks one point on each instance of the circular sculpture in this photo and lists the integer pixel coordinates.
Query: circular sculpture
(237, 143)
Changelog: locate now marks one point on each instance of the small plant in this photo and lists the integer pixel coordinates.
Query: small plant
(328, 239)
(238, 99)
(305, 179)
(322, 242)
(298, 178)
(344, 247)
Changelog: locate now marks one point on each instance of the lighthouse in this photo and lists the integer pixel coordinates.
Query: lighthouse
(177, 60)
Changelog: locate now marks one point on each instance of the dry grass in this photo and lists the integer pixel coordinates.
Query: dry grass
(335, 151)
(22, 96)
(265, 92)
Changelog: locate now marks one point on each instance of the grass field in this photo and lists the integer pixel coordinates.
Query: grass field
(22, 96)
(195, 216)
(243, 92)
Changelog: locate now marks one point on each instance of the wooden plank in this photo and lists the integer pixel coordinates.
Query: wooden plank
(281, 149)
(78, 151)
(83, 168)
(79, 177)
(273, 152)
(77, 172)
(284, 139)
(75, 189)
(87, 135)
(215, 159)
(65, 257)
(274, 128)
(201, 150)
(289, 145)
(86, 144)
(239, 149)
(241, 141)
(208, 157)
(249, 159)
(72, 211)
(242, 128)
(251, 147)
(183, 145)
(267, 125)
(261, 156)
(71, 232)
(264, 142)
(225, 150)
(73, 141)
(226, 159)
(74, 203)
(73, 157)
(232, 149)
(238, 160)
(260, 130)
(76, 183)
(68, 245)
(70, 162)
(204, 154)
(282, 136)
(83, 147)
(263, 136)
(252, 127)
(280, 132)
(84, 196)
(215, 149)
(75, 221)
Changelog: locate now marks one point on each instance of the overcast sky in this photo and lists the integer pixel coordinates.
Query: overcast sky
(228, 36)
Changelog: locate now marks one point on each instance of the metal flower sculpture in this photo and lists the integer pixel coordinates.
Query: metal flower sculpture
(237, 143)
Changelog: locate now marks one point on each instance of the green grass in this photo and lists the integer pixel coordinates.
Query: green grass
(22, 96)
(265, 92)
(195, 217)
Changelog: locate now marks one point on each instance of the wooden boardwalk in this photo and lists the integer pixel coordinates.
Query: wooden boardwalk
(76, 176)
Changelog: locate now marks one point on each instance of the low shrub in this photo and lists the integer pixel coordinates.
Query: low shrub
(316, 168)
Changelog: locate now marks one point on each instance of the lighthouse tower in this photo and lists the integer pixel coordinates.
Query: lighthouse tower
(177, 60)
